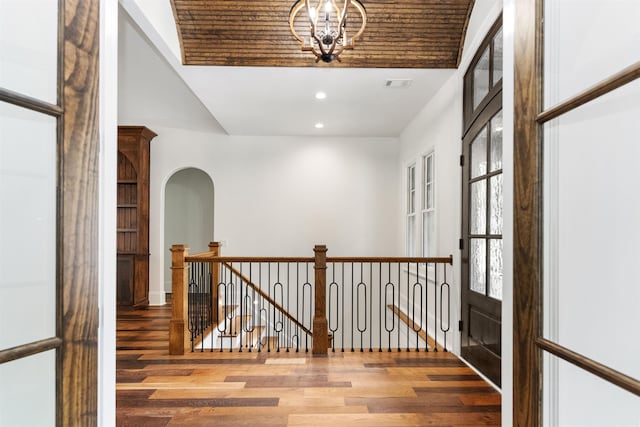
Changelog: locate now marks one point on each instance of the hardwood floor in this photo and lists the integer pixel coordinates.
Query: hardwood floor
(289, 389)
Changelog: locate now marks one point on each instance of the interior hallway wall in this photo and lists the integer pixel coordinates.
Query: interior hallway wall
(274, 195)
(438, 128)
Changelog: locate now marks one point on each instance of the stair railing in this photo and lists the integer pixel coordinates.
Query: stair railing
(279, 304)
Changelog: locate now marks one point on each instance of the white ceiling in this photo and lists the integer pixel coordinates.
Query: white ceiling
(279, 101)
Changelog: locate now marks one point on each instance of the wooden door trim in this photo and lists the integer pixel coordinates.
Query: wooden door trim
(78, 209)
(527, 221)
(596, 368)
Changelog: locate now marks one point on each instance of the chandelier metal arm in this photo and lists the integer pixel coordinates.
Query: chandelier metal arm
(328, 43)
(342, 17)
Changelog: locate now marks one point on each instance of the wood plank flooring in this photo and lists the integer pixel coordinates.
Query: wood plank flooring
(289, 389)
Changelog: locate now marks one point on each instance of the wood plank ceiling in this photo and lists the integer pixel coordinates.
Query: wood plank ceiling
(399, 34)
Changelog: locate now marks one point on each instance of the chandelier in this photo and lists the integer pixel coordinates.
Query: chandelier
(328, 36)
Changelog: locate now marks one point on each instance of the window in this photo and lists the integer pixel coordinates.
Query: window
(428, 207)
(483, 80)
(411, 210)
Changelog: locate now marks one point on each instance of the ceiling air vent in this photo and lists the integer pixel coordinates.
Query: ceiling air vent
(398, 83)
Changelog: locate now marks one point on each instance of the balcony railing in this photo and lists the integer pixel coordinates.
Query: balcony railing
(315, 304)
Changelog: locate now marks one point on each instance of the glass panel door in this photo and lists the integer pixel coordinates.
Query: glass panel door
(481, 243)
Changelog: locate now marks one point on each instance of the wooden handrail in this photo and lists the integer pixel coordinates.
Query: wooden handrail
(268, 298)
(408, 260)
(206, 256)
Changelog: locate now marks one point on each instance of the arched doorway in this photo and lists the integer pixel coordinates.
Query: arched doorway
(188, 214)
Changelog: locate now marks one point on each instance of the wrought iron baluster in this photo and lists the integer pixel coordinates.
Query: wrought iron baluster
(381, 309)
(435, 309)
(446, 286)
(426, 301)
(393, 304)
(242, 311)
(307, 287)
(333, 309)
(352, 301)
(370, 306)
(399, 288)
(342, 311)
(417, 285)
(278, 321)
(269, 323)
(288, 326)
(260, 311)
(297, 307)
(408, 304)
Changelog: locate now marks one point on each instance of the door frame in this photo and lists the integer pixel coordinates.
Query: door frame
(76, 113)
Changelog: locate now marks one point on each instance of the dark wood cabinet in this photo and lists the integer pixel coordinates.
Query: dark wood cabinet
(133, 215)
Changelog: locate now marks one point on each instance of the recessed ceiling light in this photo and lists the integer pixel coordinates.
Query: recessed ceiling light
(319, 125)
(321, 95)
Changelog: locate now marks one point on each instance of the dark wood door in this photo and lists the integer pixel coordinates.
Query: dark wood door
(482, 243)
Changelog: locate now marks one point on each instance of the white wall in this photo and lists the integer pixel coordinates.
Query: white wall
(438, 127)
(274, 195)
(107, 221)
(188, 214)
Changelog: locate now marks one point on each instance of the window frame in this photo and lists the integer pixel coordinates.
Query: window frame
(471, 113)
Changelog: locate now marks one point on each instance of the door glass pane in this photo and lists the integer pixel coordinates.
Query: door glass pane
(27, 226)
(479, 154)
(496, 142)
(495, 268)
(497, 57)
(478, 266)
(575, 397)
(29, 47)
(609, 36)
(28, 391)
(495, 206)
(592, 229)
(479, 207)
(481, 78)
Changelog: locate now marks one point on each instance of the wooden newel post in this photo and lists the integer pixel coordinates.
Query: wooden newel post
(179, 338)
(320, 327)
(214, 249)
